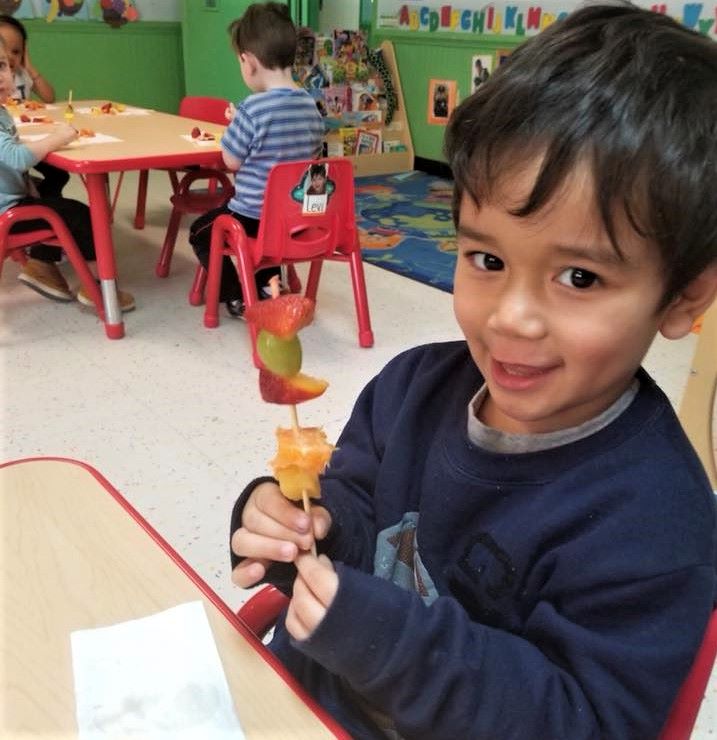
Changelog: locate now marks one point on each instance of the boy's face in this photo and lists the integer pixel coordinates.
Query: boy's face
(556, 322)
(7, 84)
(14, 45)
(318, 180)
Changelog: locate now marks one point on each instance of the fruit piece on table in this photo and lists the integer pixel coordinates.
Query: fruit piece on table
(195, 132)
(283, 316)
(281, 356)
(302, 454)
(25, 118)
(296, 389)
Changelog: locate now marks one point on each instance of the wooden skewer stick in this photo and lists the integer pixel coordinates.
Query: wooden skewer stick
(304, 494)
(69, 98)
(274, 283)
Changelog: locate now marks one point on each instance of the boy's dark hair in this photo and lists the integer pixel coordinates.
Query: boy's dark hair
(631, 92)
(8, 20)
(317, 169)
(267, 31)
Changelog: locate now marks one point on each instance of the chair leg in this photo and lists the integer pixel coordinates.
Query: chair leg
(312, 282)
(141, 199)
(292, 279)
(165, 256)
(358, 282)
(196, 293)
(214, 277)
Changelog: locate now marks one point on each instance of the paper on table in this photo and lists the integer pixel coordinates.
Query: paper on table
(96, 139)
(155, 677)
(200, 142)
(128, 111)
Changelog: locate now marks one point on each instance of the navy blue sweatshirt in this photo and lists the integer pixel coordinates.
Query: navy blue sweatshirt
(552, 594)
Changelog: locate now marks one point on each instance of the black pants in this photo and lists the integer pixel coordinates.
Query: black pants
(76, 216)
(200, 233)
(54, 180)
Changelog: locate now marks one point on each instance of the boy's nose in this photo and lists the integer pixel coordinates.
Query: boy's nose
(518, 313)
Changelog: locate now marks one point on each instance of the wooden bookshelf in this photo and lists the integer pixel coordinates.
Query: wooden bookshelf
(398, 130)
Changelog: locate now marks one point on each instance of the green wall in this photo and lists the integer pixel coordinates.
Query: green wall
(211, 66)
(421, 56)
(140, 63)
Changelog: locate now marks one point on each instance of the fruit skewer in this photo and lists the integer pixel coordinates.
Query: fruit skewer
(302, 452)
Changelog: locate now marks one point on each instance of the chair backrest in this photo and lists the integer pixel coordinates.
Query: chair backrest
(686, 706)
(202, 108)
(288, 231)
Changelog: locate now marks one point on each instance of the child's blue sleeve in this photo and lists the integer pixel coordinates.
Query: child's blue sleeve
(15, 155)
(239, 135)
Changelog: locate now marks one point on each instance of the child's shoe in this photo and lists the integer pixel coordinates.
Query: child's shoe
(46, 279)
(125, 300)
(235, 308)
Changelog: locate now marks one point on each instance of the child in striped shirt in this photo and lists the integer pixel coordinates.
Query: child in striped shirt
(278, 122)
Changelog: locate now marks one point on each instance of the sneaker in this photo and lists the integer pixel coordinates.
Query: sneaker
(46, 279)
(125, 299)
(265, 291)
(235, 308)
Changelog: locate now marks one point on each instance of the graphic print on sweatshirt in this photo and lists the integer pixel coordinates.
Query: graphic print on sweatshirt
(397, 559)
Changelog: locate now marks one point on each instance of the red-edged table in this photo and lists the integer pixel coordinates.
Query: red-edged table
(148, 140)
(77, 555)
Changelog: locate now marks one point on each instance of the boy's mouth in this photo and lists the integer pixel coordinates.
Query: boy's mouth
(517, 376)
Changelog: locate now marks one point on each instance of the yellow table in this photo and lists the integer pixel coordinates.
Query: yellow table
(76, 555)
(152, 141)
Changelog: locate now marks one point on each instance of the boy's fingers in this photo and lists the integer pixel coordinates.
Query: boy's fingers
(255, 520)
(248, 544)
(319, 576)
(249, 572)
(321, 520)
(268, 500)
(305, 611)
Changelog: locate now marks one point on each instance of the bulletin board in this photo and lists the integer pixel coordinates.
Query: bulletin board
(108, 11)
(513, 18)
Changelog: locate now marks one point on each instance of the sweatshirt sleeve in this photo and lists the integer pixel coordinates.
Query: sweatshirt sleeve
(438, 674)
(15, 155)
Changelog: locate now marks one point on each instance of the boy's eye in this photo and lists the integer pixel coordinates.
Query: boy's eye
(486, 261)
(575, 277)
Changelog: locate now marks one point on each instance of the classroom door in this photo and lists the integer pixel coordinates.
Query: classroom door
(305, 12)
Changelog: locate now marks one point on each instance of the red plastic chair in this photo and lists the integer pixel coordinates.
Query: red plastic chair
(55, 234)
(287, 236)
(686, 707)
(199, 108)
(262, 609)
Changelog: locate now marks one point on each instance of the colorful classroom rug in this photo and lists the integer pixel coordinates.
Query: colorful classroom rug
(405, 226)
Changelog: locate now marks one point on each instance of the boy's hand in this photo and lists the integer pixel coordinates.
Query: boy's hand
(230, 111)
(273, 530)
(314, 590)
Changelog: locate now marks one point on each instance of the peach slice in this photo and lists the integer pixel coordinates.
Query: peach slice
(295, 389)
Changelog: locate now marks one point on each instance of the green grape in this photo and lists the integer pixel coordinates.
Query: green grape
(281, 356)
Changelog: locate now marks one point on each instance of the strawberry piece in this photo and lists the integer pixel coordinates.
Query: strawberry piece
(283, 316)
(196, 133)
(296, 389)
(25, 118)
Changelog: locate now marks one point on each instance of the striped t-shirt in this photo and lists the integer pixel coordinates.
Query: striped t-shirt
(278, 125)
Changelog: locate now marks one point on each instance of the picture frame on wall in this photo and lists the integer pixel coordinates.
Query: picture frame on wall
(481, 69)
(441, 100)
(501, 55)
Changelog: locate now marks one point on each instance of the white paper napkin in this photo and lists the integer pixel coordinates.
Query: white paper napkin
(155, 678)
(200, 142)
(128, 111)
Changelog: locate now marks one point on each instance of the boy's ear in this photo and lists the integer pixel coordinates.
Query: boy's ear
(679, 317)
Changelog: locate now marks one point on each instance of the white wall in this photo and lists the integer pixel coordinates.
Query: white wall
(339, 14)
